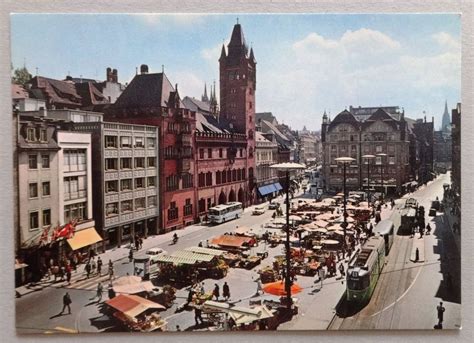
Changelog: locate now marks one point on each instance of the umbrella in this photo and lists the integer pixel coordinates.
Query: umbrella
(337, 197)
(321, 223)
(329, 242)
(296, 218)
(279, 221)
(278, 288)
(340, 194)
(334, 227)
(321, 230)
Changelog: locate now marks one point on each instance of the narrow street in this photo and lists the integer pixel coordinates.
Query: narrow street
(407, 293)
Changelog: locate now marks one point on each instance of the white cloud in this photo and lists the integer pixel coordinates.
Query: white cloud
(189, 84)
(445, 40)
(212, 54)
(154, 19)
(363, 67)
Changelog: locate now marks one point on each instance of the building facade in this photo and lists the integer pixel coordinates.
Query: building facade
(378, 134)
(456, 149)
(125, 179)
(267, 178)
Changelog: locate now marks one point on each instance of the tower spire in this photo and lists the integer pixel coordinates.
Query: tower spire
(204, 96)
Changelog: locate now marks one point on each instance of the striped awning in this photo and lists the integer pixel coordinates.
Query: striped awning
(207, 251)
(193, 256)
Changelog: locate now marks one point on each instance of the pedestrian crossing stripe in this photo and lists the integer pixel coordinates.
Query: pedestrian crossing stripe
(63, 329)
(79, 281)
(60, 329)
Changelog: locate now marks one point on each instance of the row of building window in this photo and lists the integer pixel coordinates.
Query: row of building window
(73, 211)
(34, 223)
(75, 187)
(209, 154)
(33, 161)
(45, 189)
(129, 142)
(173, 211)
(112, 209)
(179, 128)
(367, 148)
(126, 163)
(36, 134)
(230, 175)
(172, 182)
(75, 160)
(128, 184)
(173, 152)
(373, 137)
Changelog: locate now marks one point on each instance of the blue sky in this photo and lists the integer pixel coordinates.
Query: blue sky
(305, 63)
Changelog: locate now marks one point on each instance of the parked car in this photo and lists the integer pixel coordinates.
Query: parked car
(258, 210)
(153, 254)
(273, 205)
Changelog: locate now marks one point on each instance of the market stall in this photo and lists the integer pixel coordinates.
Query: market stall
(137, 313)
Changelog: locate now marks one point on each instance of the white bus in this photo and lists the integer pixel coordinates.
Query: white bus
(222, 213)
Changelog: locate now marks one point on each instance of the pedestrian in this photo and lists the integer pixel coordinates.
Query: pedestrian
(130, 255)
(440, 310)
(428, 229)
(259, 286)
(68, 275)
(178, 328)
(99, 266)
(417, 255)
(342, 271)
(190, 296)
(111, 272)
(200, 244)
(422, 230)
(215, 292)
(140, 241)
(111, 264)
(88, 269)
(412, 232)
(99, 292)
(198, 314)
(111, 292)
(93, 266)
(226, 291)
(66, 303)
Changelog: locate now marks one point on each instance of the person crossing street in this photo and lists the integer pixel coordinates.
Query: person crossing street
(66, 303)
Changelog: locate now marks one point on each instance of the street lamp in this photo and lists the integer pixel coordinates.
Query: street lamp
(287, 168)
(345, 161)
(382, 155)
(368, 158)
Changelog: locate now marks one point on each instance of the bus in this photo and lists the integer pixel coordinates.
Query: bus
(222, 213)
(364, 270)
(386, 229)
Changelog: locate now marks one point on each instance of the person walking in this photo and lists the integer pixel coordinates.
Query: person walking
(428, 229)
(93, 265)
(68, 274)
(100, 289)
(215, 292)
(99, 266)
(130, 255)
(66, 303)
(417, 255)
(226, 291)
(259, 286)
(111, 272)
(440, 308)
(342, 271)
(198, 314)
(88, 269)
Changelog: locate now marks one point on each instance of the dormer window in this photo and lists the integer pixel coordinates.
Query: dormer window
(43, 135)
(31, 134)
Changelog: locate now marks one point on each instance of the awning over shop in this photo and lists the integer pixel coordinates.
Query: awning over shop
(20, 265)
(231, 241)
(84, 238)
(207, 251)
(264, 190)
(278, 186)
(193, 255)
(132, 305)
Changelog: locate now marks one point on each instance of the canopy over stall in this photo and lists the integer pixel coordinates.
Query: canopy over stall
(205, 251)
(132, 305)
(84, 238)
(232, 241)
(131, 284)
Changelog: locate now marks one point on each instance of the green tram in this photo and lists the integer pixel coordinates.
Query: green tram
(386, 229)
(364, 270)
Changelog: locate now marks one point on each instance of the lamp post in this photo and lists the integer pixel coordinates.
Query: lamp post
(368, 158)
(287, 167)
(382, 155)
(345, 161)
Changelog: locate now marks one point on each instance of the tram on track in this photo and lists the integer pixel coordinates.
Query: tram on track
(364, 270)
(386, 229)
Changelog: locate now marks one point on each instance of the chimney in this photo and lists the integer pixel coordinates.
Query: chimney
(115, 75)
(143, 69)
(108, 74)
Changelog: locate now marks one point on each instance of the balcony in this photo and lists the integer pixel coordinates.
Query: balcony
(184, 165)
(185, 139)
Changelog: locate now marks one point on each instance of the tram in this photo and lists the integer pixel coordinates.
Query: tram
(386, 229)
(364, 270)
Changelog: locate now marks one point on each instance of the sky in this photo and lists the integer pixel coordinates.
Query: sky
(306, 64)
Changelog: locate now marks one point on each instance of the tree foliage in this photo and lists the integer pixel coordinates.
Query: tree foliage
(21, 76)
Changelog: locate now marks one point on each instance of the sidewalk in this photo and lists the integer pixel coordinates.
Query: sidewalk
(450, 220)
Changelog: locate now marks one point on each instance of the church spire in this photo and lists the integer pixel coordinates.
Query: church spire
(223, 54)
(204, 96)
(446, 122)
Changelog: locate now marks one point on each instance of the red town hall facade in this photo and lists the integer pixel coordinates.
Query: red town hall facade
(205, 158)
